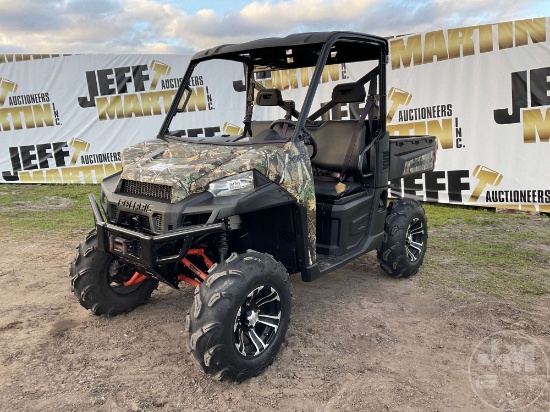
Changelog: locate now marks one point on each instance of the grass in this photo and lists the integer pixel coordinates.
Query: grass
(476, 251)
(39, 210)
(444, 215)
(471, 251)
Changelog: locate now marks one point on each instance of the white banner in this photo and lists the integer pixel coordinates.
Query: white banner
(484, 91)
(66, 119)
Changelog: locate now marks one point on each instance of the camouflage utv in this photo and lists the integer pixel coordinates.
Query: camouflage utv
(295, 190)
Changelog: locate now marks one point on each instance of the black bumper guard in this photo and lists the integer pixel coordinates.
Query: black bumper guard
(141, 249)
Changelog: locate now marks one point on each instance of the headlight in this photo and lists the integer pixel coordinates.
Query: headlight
(233, 185)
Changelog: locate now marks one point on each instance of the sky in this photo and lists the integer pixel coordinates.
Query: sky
(184, 27)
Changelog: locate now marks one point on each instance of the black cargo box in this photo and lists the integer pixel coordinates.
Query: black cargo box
(410, 155)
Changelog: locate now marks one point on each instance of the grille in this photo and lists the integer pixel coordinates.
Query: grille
(157, 220)
(113, 213)
(147, 189)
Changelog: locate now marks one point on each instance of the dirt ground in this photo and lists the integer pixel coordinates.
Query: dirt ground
(358, 340)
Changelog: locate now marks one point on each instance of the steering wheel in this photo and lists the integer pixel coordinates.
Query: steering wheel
(308, 138)
(282, 121)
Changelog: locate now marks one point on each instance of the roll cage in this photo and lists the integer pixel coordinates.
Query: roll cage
(293, 52)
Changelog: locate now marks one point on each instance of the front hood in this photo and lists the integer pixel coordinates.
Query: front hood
(189, 167)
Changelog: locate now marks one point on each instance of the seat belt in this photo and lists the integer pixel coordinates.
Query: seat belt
(249, 108)
(289, 107)
(369, 105)
(248, 120)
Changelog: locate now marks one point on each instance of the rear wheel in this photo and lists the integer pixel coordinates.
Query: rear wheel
(98, 281)
(239, 316)
(405, 238)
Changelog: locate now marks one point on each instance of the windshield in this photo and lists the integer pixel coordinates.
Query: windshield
(214, 106)
(214, 103)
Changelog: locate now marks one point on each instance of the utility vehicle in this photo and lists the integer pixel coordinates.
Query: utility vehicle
(299, 188)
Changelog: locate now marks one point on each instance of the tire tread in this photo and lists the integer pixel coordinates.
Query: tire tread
(220, 291)
(392, 253)
(89, 289)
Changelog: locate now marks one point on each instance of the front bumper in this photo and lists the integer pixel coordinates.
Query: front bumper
(142, 250)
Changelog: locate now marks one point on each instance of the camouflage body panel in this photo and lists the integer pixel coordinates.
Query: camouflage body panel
(188, 168)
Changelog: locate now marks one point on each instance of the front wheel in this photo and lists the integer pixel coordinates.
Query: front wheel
(239, 316)
(97, 281)
(405, 238)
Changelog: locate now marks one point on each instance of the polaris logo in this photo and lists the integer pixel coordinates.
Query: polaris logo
(130, 204)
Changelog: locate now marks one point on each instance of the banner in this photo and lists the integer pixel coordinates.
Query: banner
(484, 91)
(65, 119)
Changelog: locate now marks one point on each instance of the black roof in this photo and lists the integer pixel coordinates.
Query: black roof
(304, 46)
